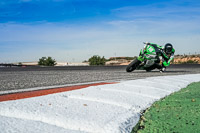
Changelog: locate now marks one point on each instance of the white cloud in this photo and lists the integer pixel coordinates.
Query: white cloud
(77, 43)
(164, 10)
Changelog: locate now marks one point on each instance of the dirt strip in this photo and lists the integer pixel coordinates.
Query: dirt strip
(22, 95)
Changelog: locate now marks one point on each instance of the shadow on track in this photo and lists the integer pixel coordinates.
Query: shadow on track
(163, 72)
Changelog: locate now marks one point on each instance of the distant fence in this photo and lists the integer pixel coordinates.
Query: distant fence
(8, 65)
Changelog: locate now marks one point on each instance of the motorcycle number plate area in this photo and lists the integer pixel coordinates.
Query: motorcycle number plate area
(150, 49)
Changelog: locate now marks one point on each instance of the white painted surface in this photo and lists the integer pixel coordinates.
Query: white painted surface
(112, 108)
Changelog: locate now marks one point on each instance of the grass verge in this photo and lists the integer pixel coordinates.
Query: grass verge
(177, 113)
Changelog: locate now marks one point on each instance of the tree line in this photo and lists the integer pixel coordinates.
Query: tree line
(94, 60)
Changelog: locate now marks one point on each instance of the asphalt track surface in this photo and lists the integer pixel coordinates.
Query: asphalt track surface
(16, 78)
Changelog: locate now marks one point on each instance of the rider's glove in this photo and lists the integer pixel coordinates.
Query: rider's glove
(166, 63)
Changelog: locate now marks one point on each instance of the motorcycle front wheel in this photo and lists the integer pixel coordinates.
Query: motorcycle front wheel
(133, 65)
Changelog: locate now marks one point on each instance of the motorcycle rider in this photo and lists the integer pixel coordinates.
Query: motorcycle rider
(167, 54)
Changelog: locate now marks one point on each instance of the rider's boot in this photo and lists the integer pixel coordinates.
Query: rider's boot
(162, 69)
(159, 67)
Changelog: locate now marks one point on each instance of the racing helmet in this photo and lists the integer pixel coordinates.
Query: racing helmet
(168, 48)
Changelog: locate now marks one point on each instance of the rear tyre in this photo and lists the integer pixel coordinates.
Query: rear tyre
(133, 65)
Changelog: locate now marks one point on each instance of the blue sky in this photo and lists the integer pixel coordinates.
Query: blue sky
(75, 30)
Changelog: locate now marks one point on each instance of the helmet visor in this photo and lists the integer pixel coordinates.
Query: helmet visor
(168, 50)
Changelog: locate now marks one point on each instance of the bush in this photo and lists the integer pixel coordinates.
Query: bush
(97, 60)
(188, 62)
(191, 62)
(47, 61)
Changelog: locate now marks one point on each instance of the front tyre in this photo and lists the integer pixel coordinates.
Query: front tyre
(133, 65)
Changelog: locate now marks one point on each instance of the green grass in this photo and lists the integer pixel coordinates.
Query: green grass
(177, 113)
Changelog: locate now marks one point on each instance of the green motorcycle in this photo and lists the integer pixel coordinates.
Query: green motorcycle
(147, 58)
